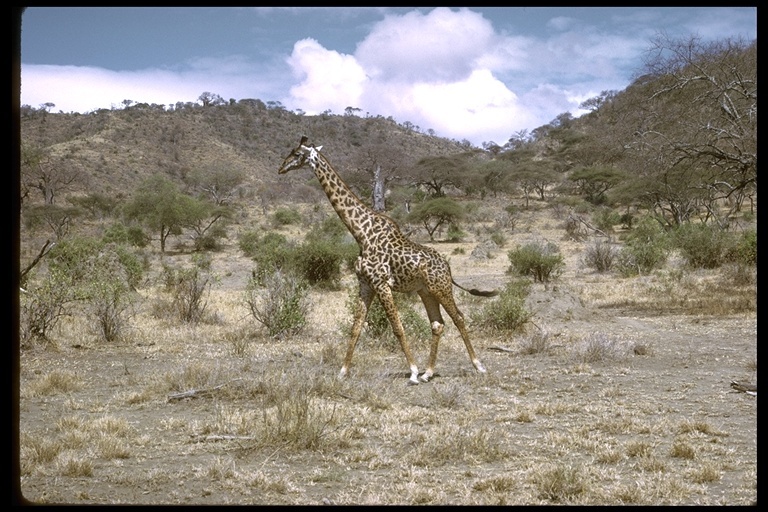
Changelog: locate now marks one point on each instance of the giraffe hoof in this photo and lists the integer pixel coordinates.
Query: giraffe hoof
(425, 377)
(412, 382)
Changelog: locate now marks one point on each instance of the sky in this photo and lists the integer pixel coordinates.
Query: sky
(478, 74)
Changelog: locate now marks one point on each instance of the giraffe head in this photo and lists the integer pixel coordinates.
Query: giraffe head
(299, 157)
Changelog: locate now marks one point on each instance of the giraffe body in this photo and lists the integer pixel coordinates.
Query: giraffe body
(388, 262)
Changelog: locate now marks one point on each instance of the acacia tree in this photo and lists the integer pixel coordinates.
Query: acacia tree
(435, 213)
(594, 182)
(520, 168)
(436, 173)
(162, 207)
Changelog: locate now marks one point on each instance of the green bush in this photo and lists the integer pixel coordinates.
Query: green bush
(744, 250)
(702, 245)
(210, 239)
(42, 307)
(319, 262)
(248, 241)
(84, 271)
(273, 252)
(119, 233)
(507, 312)
(542, 261)
(285, 217)
(331, 228)
(320, 258)
(646, 248)
(455, 234)
(604, 219)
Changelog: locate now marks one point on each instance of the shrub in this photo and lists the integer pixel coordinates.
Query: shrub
(744, 250)
(574, 229)
(86, 271)
(109, 290)
(507, 312)
(119, 233)
(248, 242)
(281, 304)
(600, 256)
(605, 218)
(41, 308)
(273, 253)
(541, 261)
(285, 217)
(112, 308)
(319, 262)
(331, 228)
(499, 239)
(702, 245)
(646, 249)
(455, 234)
(320, 257)
(627, 220)
(210, 238)
(188, 288)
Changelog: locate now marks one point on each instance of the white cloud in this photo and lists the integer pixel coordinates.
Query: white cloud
(480, 107)
(80, 89)
(441, 45)
(435, 70)
(329, 80)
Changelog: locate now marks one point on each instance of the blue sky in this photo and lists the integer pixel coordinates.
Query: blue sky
(480, 74)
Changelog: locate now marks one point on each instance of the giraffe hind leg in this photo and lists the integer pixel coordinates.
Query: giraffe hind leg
(458, 319)
(437, 324)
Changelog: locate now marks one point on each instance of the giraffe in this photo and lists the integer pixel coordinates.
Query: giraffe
(388, 262)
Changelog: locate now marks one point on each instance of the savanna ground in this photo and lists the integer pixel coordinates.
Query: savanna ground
(617, 393)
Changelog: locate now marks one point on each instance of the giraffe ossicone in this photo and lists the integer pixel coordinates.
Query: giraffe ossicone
(388, 262)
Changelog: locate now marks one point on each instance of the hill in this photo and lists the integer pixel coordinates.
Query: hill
(116, 149)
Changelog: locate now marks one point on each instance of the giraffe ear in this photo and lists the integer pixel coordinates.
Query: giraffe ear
(303, 140)
(318, 147)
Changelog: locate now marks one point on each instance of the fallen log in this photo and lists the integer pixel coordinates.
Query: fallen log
(195, 393)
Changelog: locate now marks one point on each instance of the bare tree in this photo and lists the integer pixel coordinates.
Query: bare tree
(39, 171)
(219, 181)
(699, 120)
(380, 166)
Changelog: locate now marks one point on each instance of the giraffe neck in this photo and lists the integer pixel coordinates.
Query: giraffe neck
(351, 210)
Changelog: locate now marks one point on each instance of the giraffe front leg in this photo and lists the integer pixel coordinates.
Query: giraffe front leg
(365, 297)
(388, 302)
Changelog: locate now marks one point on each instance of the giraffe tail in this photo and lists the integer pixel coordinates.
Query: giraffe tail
(479, 293)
